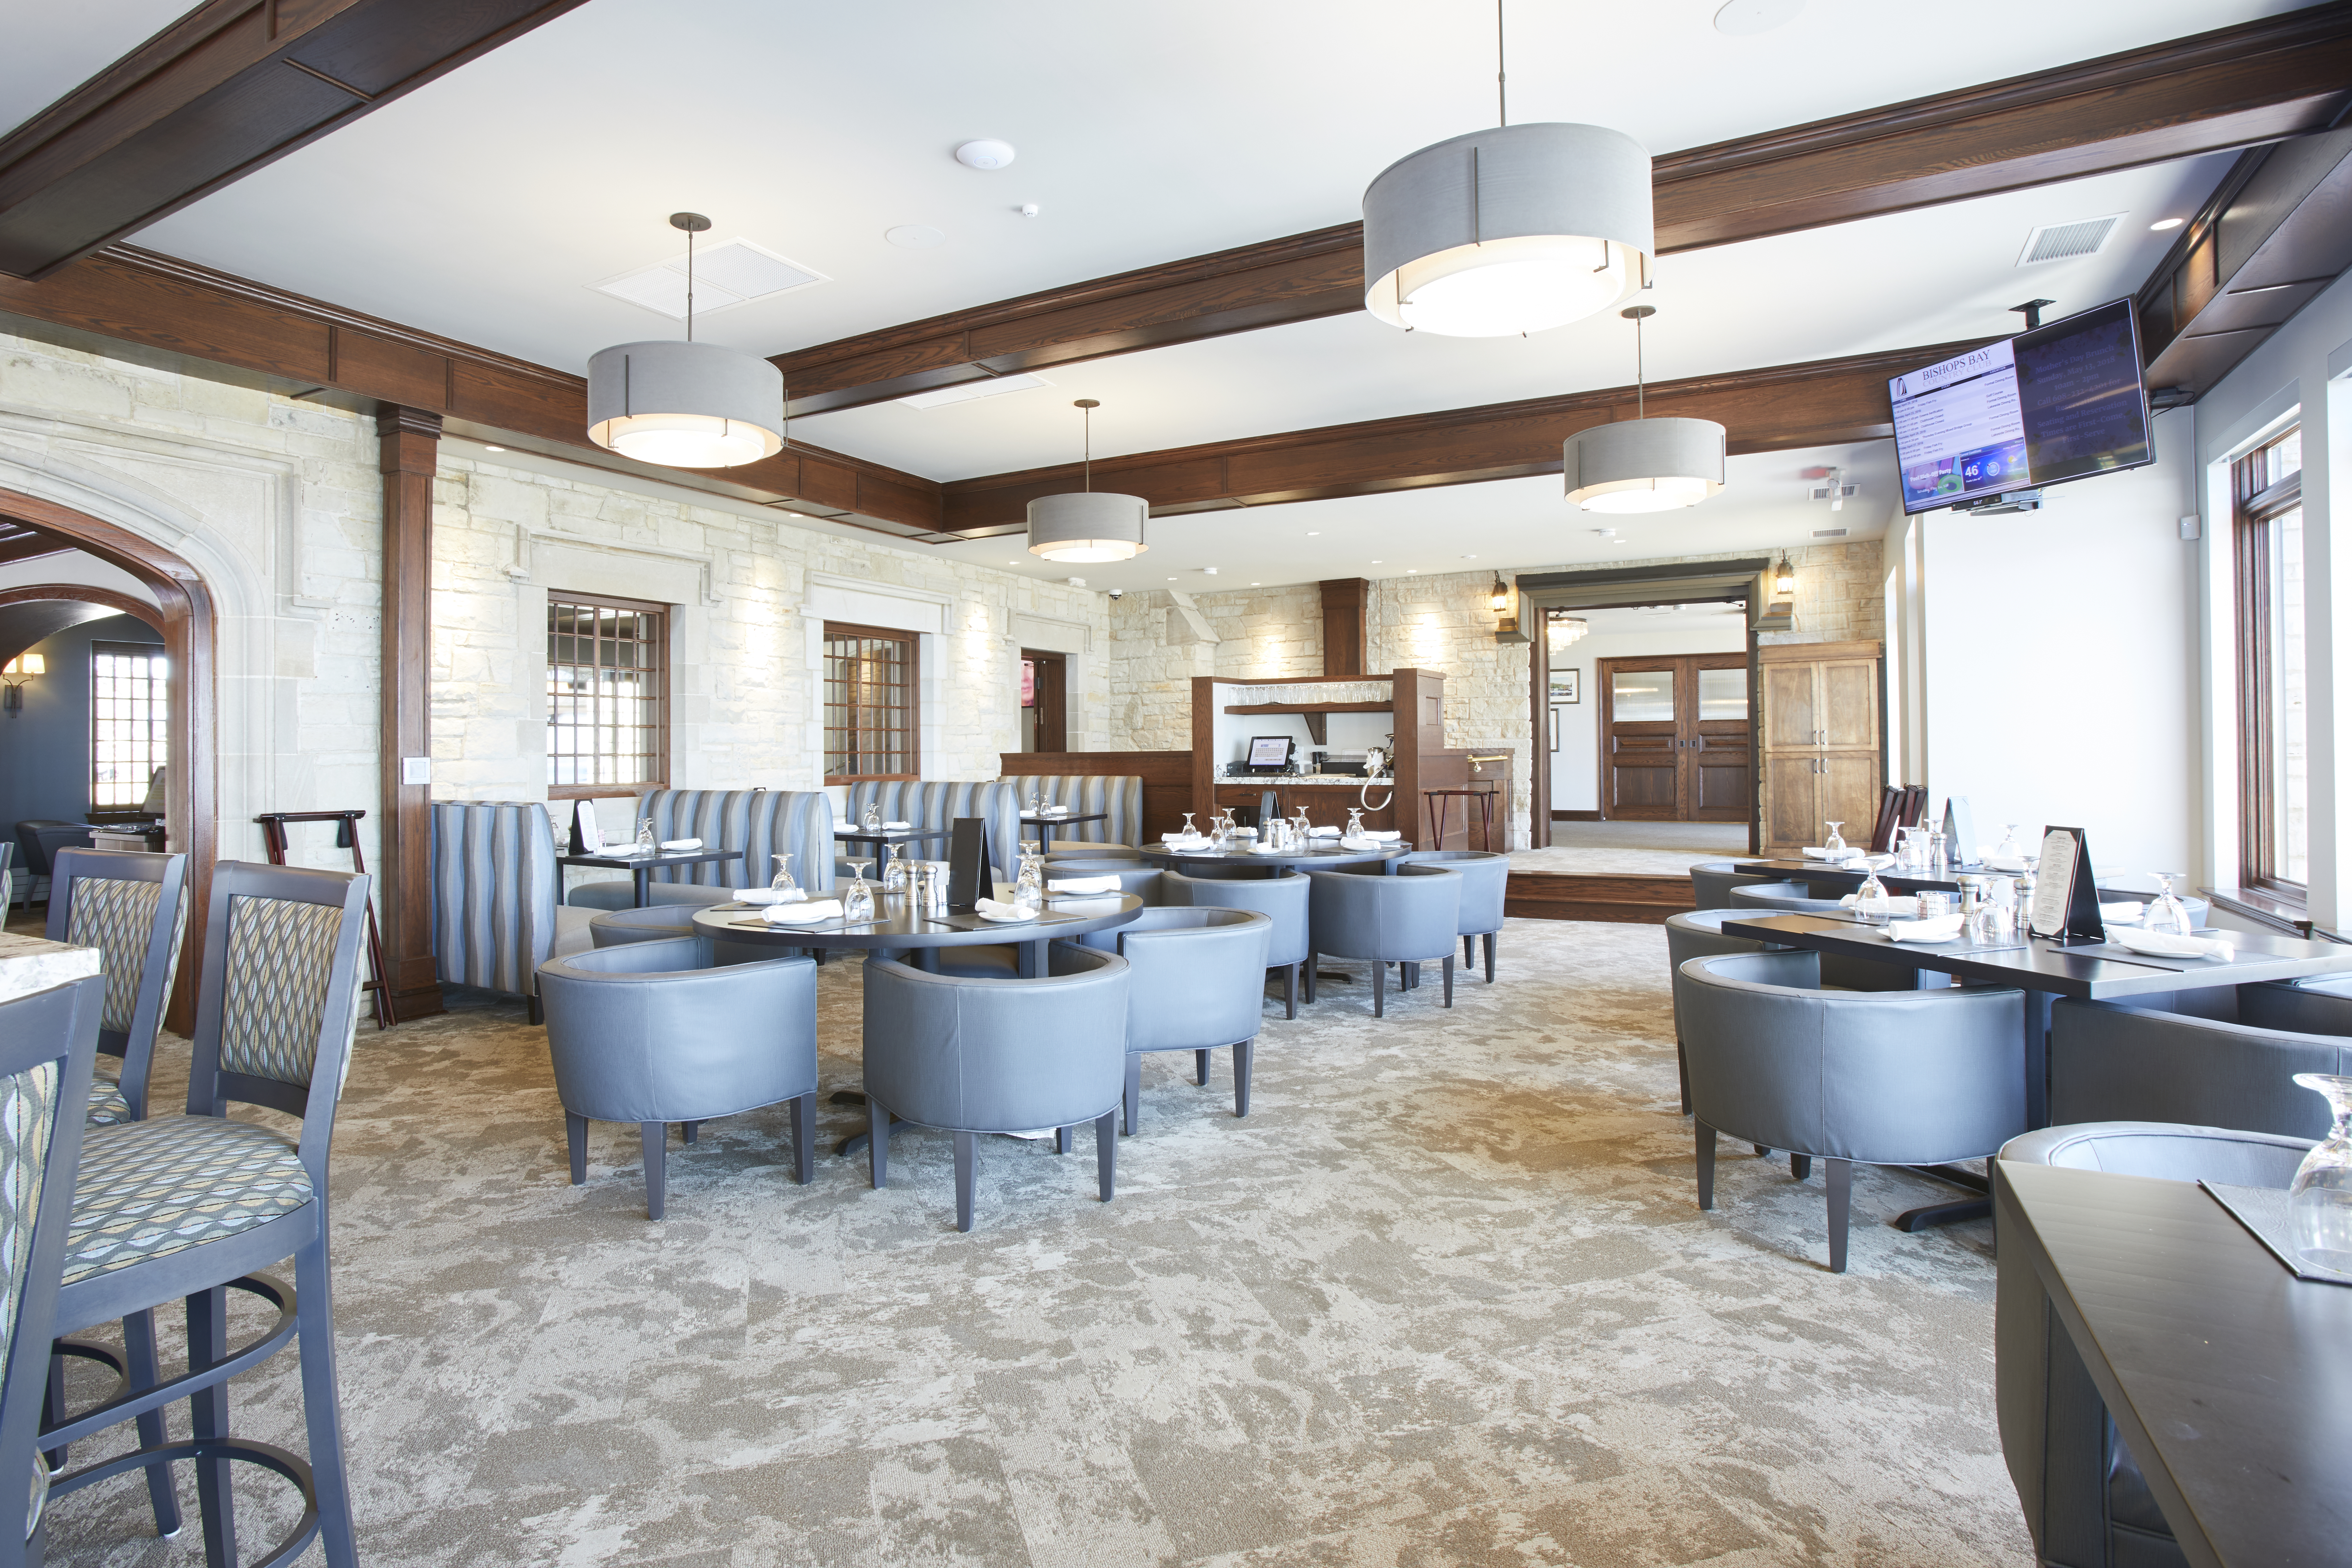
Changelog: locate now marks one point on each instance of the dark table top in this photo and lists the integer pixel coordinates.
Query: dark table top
(2037, 963)
(1306, 860)
(890, 834)
(639, 862)
(1909, 882)
(2230, 1379)
(1048, 818)
(894, 927)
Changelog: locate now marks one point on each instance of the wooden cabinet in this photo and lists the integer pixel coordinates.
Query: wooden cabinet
(1822, 759)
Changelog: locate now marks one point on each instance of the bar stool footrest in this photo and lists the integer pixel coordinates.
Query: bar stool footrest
(244, 1450)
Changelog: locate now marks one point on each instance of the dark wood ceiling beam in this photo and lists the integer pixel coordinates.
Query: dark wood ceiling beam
(159, 309)
(230, 87)
(2280, 77)
(2275, 233)
(1766, 410)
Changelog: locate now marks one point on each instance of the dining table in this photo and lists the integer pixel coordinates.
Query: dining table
(641, 867)
(897, 929)
(1044, 822)
(1850, 874)
(2044, 968)
(1308, 859)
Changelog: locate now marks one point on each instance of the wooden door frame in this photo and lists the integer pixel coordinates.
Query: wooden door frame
(1060, 685)
(184, 614)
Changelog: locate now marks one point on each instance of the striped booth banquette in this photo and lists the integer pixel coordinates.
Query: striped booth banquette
(762, 823)
(495, 916)
(1120, 795)
(936, 804)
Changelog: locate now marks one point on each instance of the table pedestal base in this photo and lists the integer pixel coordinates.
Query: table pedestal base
(1953, 1212)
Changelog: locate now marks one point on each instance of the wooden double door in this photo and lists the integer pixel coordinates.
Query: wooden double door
(1675, 738)
(1822, 759)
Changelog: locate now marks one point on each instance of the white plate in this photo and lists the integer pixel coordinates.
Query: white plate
(1007, 919)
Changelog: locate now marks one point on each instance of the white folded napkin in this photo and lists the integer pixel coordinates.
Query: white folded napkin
(680, 846)
(1057, 811)
(1266, 849)
(807, 912)
(2165, 944)
(628, 851)
(1002, 914)
(2004, 862)
(1089, 903)
(1322, 832)
(1082, 884)
(1172, 838)
(1356, 843)
(770, 896)
(1943, 928)
(1382, 834)
(897, 826)
(1901, 909)
(2123, 914)
(1848, 852)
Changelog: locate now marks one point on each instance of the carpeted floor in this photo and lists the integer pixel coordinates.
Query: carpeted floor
(1443, 1298)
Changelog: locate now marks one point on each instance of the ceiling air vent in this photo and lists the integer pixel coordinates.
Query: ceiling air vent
(2065, 241)
(1828, 534)
(725, 276)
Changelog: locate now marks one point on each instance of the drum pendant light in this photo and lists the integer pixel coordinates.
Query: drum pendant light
(685, 405)
(1514, 230)
(1092, 525)
(1642, 464)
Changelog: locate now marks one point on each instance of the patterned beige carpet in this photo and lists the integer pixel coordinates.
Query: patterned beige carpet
(1443, 1298)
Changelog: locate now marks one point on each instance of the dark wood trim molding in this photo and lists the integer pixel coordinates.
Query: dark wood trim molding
(1765, 410)
(184, 614)
(1345, 601)
(409, 446)
(83, 594)
(229, 88)
(158, 309)
(2237, 87)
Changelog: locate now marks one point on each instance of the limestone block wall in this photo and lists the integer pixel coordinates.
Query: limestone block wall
(1262, 632)
(275, 504)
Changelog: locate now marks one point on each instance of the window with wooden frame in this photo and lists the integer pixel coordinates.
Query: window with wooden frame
(607, 696)
(871, 711)
(2273, 765)
(129, 690)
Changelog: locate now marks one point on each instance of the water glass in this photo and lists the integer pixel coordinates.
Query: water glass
(1936, 905)
(858, 899)
(1192, 835)
(646, 840)
(2166, 912)
(897, 877)
(2319, 1202)
(782, 884)
(1836, 842)
(1029, 888)
(872, 819)
(1870, 899)
(2007, 849)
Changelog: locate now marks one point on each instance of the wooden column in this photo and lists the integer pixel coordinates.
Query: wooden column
(410, 443)
(1344, 602)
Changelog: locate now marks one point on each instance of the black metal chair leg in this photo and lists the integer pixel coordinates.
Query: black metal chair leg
(1106, 1155)
(654, 1137)
(1291, 991)
(575, 1137)
(1489, 940)
(877, 1146)
(1465, 948)
(1682, 1070)
(1801, 1166)
(1706, 1136)
(536, 1013)
(1380, 990)
(1449, 978)
(689, 1131)
(1132, 1098)
(1201, 1069)
(804, 1137)
(1242, 1052)
(1838, 1179)
(967, 1173)
(1307, 977)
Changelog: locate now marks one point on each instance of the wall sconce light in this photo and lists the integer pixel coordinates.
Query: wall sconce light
(1784, 577)
(1499, 601)
(14, 673)
(1504, 603)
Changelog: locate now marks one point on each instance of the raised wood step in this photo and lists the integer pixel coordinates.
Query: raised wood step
(1630, 900)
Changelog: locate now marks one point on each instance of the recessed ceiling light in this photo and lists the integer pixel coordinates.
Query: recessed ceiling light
(1746, 18)
(2161, 224)
(1469, 558)
(494, 448)
(1313, 532)
(1413, 571)
(1375, 562)
(1172, 579)
(1257, 585)
(915, 236)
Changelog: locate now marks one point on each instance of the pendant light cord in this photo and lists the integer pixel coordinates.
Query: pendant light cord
(1088, 462)
(1502, 100)
(689, 278)
(1640, 375)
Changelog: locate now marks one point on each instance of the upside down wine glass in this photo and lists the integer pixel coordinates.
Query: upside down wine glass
(2319, 1203)
(895, 873)
(1836, 842)
(858, 899)
(787, 891)
(2166, 912)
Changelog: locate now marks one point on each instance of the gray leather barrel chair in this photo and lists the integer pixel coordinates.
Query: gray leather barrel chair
(1916, 1078)
(645, 1032)
(1486, 879)
(973, 1056)
(1712, 881)
(2321, 1005)
(2084, 1498)
(654, 922)
(2114, 1063)
(1081, 849)
(1796, 896)
(132, 907)
(1282, 899)
(1411, 918)
(1839, 971)
(1135, 877)
(1697, 934)
(1196, 981)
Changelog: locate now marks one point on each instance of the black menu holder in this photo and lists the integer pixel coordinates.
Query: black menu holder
(969, 878)
(2083, 927)
(1960, 830)
(579, 843)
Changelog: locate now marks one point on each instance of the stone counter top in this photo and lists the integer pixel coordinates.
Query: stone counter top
(30, 964)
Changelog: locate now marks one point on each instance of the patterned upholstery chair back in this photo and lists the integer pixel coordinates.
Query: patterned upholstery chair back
(495, 888)
(762, 823)
(936, 805)
(48, 1039)
(1119, 795)
(93, 904)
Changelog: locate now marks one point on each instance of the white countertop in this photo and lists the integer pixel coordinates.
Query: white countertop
(30, 964)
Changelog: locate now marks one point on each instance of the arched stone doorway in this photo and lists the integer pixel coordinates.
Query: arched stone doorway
(184, 614)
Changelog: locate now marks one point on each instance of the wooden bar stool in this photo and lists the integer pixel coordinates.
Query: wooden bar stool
(273, 836)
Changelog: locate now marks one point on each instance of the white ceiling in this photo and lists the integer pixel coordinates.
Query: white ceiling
(51, 49)
(483, 205)
(1508, 524)
(1911, 279)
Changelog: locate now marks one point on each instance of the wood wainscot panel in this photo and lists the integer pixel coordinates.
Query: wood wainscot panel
(1618, 898)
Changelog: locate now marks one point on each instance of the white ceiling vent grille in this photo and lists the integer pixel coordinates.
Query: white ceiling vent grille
(725, 276)
(2065, 241)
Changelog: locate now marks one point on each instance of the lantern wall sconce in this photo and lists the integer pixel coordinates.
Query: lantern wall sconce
(1504, 600)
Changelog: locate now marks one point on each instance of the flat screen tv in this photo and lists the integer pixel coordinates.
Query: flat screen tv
(2059, 402)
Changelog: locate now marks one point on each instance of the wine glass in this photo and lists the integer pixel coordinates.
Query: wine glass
(895, 874)
(2007, 849)
(2319, 1203)
(787, 891)
(1192, 834)
(1355, 822)
(872, 819)
(2166, 913)
(645, 842)
(1029, 888)
(858, 899)
(1870, 900)
(1836, 842)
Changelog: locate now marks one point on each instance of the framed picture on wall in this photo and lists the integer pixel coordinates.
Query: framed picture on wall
(1563, 685)
(1555, 728)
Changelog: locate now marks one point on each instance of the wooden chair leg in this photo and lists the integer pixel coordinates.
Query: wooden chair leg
(1131, 1100)
(1291, 991)
(575, 1135)
(1106, 1155)
(1838, 1179)
(323, 1404)
(208, 1417)
(1466, 942)
(533, 1011)
(804, 1137)
(654, 1136)
(1706, 1136)
(967, 1161)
